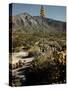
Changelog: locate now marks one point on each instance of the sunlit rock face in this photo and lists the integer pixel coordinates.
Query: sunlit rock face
(25, 20)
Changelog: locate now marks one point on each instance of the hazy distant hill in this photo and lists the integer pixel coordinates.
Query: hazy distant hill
(30, 24)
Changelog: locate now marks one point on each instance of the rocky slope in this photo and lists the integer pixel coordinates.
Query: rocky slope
(28, 23)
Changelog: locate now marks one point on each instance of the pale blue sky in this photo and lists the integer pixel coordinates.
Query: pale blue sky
(54, 12)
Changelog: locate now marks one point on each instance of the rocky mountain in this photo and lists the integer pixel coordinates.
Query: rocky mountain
(29, 24)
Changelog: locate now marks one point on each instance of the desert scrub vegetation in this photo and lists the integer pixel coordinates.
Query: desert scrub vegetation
(47, 67)
(46, 71)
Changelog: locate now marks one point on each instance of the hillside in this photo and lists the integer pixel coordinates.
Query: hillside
(30, 24)
(39, 47)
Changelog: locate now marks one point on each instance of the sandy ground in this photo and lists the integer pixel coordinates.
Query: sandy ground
(18, 56)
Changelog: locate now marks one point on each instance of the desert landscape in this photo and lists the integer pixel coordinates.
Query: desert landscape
(38, 52)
